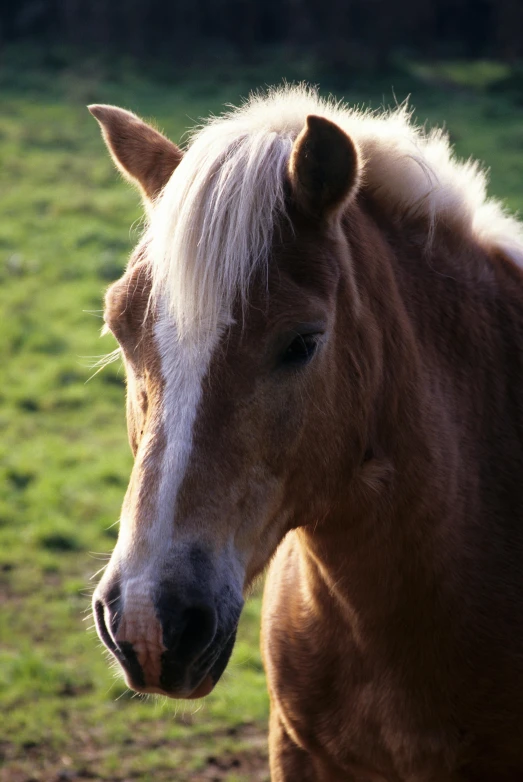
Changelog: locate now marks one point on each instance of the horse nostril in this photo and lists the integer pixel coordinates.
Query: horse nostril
(101, 626)
(107, 614)
(123, 651)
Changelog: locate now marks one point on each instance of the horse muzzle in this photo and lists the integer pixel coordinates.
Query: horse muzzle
(168, 640)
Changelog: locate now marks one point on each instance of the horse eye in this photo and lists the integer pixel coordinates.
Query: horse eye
(301, 350)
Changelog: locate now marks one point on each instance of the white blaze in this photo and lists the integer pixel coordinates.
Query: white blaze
(148, 527)
(184, 365)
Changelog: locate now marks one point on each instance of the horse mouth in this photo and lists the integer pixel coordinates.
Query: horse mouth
(204, 674)
(177, 683)
(176, 678)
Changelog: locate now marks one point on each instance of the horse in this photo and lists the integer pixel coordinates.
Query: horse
(322, 329)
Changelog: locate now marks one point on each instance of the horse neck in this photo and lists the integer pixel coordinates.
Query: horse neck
(389, 543)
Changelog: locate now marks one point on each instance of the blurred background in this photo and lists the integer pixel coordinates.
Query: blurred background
(67, 225)
(362, 33)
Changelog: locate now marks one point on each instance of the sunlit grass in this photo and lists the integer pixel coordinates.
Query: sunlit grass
(67, 225)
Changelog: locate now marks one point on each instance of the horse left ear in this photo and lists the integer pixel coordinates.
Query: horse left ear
(323, 168)
(142, 154)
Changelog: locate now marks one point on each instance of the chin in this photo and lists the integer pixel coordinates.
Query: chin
(201, 691)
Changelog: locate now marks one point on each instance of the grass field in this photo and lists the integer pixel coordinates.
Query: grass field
(67, 224)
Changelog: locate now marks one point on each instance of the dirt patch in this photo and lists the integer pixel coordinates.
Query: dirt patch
(172, 761)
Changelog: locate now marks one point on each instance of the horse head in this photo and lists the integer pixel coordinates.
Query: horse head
(238, 406)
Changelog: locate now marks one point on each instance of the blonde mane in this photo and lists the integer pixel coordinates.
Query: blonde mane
(212, 226)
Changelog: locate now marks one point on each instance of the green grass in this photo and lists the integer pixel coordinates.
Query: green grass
(67, 226)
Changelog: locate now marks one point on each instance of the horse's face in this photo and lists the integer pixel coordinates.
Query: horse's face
(234, 435)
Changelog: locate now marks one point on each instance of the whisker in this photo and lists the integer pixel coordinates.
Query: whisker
(101, 362)
(98, 571)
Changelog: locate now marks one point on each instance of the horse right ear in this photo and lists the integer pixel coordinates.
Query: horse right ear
(323, 168)
(143, 155)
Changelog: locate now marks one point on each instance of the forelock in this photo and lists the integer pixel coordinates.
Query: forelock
(212, 228)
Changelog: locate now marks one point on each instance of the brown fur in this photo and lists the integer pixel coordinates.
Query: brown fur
(143, 155)
(323, 167)
(393, 632)
(386, 476)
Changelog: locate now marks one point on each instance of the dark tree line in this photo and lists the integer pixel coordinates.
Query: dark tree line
(341, 31)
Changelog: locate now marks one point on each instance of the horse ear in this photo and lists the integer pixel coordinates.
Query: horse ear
(142, 154)
(323, 168)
